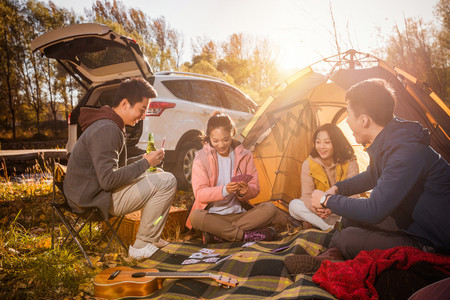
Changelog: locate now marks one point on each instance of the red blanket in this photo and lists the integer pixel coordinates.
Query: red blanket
(354, 279)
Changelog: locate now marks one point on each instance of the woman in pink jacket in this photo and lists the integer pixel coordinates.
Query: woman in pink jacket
(221, 209)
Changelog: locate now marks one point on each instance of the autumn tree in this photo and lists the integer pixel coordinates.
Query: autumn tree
(442, 12)
(264, 69)
(422, 49)
(244, 62)
(9, 47)
(39, 73)
(160, 33)
(161, 44)
(235, 60)
(176, 42)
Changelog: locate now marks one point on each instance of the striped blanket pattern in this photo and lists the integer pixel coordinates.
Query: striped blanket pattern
(260, 271)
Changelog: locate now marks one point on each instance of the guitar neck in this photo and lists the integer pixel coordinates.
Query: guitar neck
(119, 282)
(178, 275)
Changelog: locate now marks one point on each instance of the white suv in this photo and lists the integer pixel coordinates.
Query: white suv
(99, 59)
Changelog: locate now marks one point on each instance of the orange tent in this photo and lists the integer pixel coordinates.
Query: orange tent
(280, 133)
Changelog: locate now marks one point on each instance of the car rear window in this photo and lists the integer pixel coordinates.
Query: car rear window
(195, 90)
(180, 88)
(206, 92)
(92, 52)
(236, 100)
(105, 57)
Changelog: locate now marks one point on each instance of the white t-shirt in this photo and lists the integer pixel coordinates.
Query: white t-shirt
(229, 205)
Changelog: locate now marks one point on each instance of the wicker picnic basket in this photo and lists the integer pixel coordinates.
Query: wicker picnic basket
(130, 224)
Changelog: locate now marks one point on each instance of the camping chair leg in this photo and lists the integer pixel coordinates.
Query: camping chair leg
(113, 229)
(106, 249)
(53, 211)
(53, 228)
(77, 233)
(67, 236)
(74, 235)
(118, 237)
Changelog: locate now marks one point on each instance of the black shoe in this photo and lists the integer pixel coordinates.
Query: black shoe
(301, 264)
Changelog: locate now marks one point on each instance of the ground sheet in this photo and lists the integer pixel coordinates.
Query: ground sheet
(260, 271)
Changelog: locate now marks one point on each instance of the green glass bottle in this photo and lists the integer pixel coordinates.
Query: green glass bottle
(151, 147)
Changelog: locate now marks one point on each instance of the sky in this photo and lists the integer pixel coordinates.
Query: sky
(300, 31)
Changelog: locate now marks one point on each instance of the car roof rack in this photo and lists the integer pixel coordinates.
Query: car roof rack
(188, 74)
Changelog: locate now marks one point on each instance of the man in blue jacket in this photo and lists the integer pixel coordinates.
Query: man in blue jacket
(409, 204)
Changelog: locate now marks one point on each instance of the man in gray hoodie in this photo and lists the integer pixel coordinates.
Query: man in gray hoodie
(98, 174)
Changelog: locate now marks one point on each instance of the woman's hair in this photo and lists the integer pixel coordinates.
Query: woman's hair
(342, 149)
(218, 119)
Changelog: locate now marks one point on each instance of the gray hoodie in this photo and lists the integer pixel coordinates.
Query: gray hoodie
(97, 165)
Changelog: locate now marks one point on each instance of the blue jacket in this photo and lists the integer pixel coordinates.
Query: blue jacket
(410, 182)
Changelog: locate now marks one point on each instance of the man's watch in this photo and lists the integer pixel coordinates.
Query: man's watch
(323, 199)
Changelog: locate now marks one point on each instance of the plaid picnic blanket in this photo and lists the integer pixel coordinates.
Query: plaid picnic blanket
(260, 272)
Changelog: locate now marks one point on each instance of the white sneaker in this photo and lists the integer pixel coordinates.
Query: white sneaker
(161, 243)
(145, 252)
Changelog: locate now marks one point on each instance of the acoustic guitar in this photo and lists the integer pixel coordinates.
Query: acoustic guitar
(120, 282)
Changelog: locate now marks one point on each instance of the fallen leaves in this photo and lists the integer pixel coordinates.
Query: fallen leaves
(25, 246)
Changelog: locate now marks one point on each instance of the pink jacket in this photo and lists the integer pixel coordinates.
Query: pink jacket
(205, 172)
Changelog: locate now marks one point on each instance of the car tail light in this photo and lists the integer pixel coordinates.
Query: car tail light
(155, 109)
(68, 120)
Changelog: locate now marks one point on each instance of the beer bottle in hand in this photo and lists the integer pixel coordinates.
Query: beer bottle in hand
(150, 148)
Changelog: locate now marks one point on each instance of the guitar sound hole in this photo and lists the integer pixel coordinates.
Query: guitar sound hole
(138, 274)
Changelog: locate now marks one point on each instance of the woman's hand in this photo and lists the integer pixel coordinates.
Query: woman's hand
(232, 187)
(315, 199)
(323, 212)
(243, 188)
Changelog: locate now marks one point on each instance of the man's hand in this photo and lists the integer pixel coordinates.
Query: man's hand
(332, 191)
(232, 187)
(154, 157)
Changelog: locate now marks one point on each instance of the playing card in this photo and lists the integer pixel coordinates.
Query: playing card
(190, 261)
(197, 255)
(243, 177)
(206, 250)
(211, 259)
(211, 255)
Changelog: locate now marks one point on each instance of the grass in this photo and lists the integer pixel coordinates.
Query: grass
(29, 268)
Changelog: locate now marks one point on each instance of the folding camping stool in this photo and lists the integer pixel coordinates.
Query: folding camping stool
(88, 216)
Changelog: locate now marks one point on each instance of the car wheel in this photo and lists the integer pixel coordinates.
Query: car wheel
(185, 159)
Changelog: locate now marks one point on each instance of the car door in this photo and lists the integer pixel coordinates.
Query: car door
(208, 98)
(93, 53)
(95, 56)
(238, 105)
